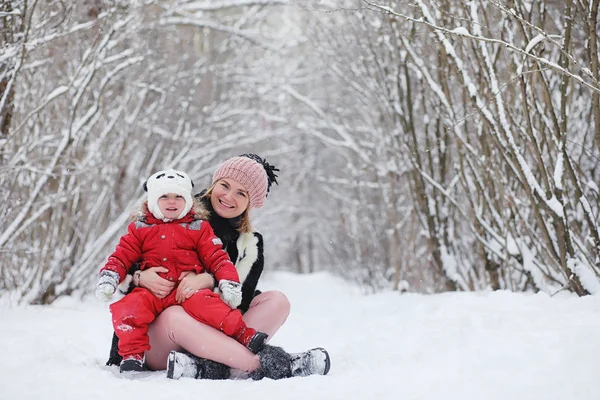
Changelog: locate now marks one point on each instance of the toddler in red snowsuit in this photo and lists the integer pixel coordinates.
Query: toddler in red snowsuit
(171, 234)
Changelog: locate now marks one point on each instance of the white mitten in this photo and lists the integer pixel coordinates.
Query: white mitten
(231, 293)
(107, 285)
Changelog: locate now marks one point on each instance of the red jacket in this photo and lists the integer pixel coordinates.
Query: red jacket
(186, 244)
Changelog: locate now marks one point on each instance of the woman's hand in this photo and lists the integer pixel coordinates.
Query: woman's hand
(150, 280)
(190, 283)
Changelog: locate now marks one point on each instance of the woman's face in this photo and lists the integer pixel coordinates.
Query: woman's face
(229, 198)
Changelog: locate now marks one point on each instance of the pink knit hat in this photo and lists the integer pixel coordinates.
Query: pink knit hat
(250, 173)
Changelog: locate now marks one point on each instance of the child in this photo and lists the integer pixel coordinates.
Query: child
(171, 234)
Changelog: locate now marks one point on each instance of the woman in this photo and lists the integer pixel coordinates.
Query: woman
(189, 348)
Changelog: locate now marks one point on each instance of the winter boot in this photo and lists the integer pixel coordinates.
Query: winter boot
(114, 357)
(186, 365)
(132, 363)
(275, 363)
(252, 339)
(312, 362)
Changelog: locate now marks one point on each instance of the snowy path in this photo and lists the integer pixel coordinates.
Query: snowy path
(387, 346)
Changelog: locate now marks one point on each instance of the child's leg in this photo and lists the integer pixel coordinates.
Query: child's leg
(207, 307)
(131, 316)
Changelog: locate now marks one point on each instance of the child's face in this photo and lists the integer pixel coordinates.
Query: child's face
(171, 205)
(229, 198)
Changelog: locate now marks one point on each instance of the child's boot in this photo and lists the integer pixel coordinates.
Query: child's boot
(252, 339)
(132, 363)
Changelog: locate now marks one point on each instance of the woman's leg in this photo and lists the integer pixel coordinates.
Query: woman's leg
(268, 311)
(162, 337)
(174, 329)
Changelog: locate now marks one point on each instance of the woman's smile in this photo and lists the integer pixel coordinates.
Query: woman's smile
(229, 198)
(225, 204)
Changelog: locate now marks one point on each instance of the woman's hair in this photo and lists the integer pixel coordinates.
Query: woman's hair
(244, 226)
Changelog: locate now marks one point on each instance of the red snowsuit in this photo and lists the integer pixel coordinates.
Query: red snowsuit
(186, 244)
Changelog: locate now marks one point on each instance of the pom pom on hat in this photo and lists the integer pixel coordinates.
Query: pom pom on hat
(165, 182)
(252, 172)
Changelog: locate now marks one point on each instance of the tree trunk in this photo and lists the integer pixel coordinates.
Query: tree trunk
(9, 26)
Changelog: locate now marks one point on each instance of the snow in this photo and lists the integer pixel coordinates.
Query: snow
(461, 30)
(57, 92)
(593, 186)
(16, 11)
(452, 346)
(533, 42)
(559, 171)
(586, 275)
(450, 265)
(213, 5)
(519, 247)
(554, 204)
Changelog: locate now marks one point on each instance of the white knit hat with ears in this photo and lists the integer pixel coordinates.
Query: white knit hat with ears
(165, 182)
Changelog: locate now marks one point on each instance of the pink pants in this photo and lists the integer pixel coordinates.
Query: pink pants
(174, 329)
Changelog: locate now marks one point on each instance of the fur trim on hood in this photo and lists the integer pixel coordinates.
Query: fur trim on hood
(198, 209)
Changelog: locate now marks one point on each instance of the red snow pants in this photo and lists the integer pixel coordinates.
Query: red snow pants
(133, 313)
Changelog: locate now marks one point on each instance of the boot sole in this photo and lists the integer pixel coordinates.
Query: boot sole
(133, 369)
(257, 342)
(171, 365)
(327, 361)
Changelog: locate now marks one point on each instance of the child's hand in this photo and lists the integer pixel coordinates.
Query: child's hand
(107, 285)
(231, 293)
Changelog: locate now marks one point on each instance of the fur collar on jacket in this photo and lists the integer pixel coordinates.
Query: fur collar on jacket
(248, 247)
(142, 214)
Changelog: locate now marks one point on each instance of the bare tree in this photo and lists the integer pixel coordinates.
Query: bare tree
(109, 92)
(424, 145)
(482, 109)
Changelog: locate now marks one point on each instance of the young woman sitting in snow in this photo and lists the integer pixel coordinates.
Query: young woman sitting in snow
(188, 348)
(171, 229)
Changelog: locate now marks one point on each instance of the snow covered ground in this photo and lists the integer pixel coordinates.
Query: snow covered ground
(386, 346)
